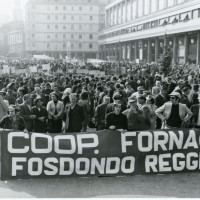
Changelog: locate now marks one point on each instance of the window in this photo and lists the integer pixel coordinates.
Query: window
(72, 46)
(48, 27)
(72, 17)
(80, 36)
(72, 27)
(72, 36)
(56, 8)
(90, 46)
(64, 27)
(91, 36)
(91, 18)
(56, 27)
(48, 45)
(48, 16)
(48, 36)
(91, 26)
(33, 44)
(64, 36)
(80, 27)
(33, 7)
(64, 17)
(80, 8)
(64, 7)
(195, 14)
(80, 45)
(80, 17)
(33, 35)
(64, 45)
(56, 36)
(56, 17)
(72, 7)
(33, 25)
(91, 8)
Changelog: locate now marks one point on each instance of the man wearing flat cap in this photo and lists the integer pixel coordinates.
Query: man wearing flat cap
(135, 118)
(174, 114)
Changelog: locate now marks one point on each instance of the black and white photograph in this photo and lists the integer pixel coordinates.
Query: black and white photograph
(99, 99)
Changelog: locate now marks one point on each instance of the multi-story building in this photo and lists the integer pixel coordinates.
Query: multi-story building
(12, 34)
(62, 28)
(140, 29)
(16, 41)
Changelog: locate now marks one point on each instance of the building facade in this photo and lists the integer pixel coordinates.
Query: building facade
(62, 28)
(141, 29)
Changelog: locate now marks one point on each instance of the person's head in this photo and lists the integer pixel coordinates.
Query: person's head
(54, 96)
(186, 89)
(55, 88)
(12, 110)
(142, 99)
(140, 90)
(21, 93)
(175, 97)
(84, 95)
(132, 101)
(37, 89)
(117, 96)
(158, 83)
(106, 99)
(28, 98)
(38, 102)
(163, 89)
(48, 86)
(117, 107)
(196, 88)
(73, 98)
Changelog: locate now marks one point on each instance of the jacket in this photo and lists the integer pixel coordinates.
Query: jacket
(25, 112)
(195, 111)
(164, 111)
(51, 108)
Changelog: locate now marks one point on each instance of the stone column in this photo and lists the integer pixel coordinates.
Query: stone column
(186, 43)
(121, 12)
(157, 5)
(175, 45)
(156, 49)
(198, 47)
(131, 9)
(136, 14)
(126, 10)
(130, 52)
(149, 51)
(136, 50)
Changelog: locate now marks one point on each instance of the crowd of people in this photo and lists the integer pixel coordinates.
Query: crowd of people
(142, 99)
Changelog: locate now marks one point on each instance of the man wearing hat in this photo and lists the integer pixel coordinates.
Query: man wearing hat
(174, 114)
(139, 92)
(136, 121)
